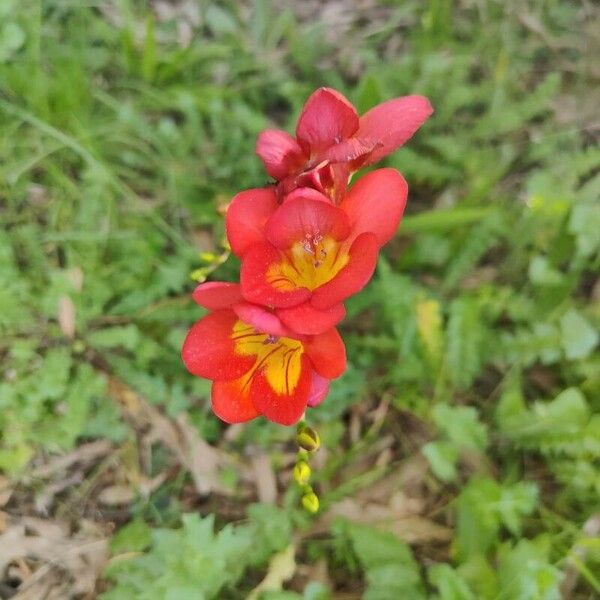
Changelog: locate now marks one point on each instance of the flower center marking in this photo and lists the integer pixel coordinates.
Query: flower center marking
(309, 263)
(279, 358)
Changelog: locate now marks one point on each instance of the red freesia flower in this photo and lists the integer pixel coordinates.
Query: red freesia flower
(332, 141)
(269, 344)
(304, 257)
(255, 371)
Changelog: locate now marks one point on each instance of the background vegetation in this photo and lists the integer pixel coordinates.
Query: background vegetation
(461, 453)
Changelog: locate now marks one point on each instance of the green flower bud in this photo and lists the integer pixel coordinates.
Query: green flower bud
(302, 472)
(310, 502)
(308, 439)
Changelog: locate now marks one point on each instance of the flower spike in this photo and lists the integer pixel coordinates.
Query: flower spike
(306, 244)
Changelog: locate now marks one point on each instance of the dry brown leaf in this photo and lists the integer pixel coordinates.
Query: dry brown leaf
(355, 425)
(66, 316)
(6, 491)
(578, 554)
(62, 566)
(419, 530)
(37, 194)
(116, 495)
(192, 452)
(413, 529)
(316, 571)
(201, 459)
(45, 497)
(83, 455)
(384, 458)
(281, 568)
(266, 484)
(75, 276)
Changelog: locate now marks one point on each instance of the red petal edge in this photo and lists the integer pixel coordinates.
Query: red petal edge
(305, 319)
(327, 118)
(231, 401)
(327, 353)
(353, 277)
(280, 153)
(246, 217)
(285, 409)
(215, 295)
(376, 203)
(208, 350)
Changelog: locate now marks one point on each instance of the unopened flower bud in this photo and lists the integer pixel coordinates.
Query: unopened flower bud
(302, 472)
(310, 502)
(308, 439)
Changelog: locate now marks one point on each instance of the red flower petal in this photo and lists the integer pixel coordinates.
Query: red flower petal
(307, 192)
(327, 118)
(391, 124)
(319, 388)
(209, 351)
(231, 401)
(340, 175)
(353, 277)
(349, 150)
(217, 294)
(280, 152)
(261, 319)
(376, 203)
(263, 282)
(247, 215)
(286, 403)
(302, 216)
(307, 320)
(327, 353)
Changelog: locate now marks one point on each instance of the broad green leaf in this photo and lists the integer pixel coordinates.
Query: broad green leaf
(133, 537)
(442, 457)
(478, 522)
(125, 336)
(190, 560)
(525, 572)
(390, 569)
(579, 337)
(542, 273)
(449, 584)
(565, 416)
(465, 341)
(515, 502)
(585, 225)
(461, 425)
(482, 506)
(12, 37)
(271, 530)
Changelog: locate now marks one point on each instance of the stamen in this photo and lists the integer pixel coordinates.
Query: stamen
(271, 339)
(311, 244)
(307, 247)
